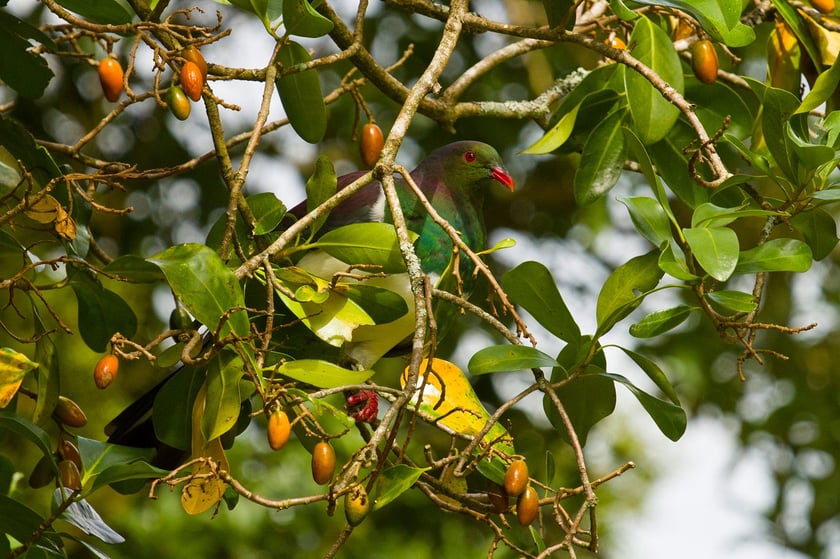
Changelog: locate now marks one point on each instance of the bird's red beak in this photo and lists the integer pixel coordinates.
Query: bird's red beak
(503, 177)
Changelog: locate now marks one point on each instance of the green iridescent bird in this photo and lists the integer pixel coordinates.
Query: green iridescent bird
(455, 179)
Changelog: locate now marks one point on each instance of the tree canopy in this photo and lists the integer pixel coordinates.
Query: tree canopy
(152, 159)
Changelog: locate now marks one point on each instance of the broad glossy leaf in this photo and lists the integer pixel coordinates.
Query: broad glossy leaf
(101, 11)
(532, 286)
(395, 481)
(506, 358)
(720, 18)
(10, 421)
(133, 268)
(649, 218)
(711, 215)
(807, 157)
(222, 398)
(322, 374)
(104, 463)
(670, 418)
(715, 249)
(102, 313)
(776, 255)
(602, 160)
(824, 87)
(652, 115)
(777, 108)
(48, 373)
(21, 69)
(206, 287)
(620, 9)
(799, 26)
(20, 522)
(365, 243)
(300, 93)
(819, 229)
(268, 211)
(587, 400)
(172, 410)
(593, 84)
(319, 188)
(659, 322)
(736, 301)
(625, 288)
(672, 262)
(381, 305)
(654, 373)
(301, 19)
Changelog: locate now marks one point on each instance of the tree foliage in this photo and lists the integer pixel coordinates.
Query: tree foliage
(735, 186)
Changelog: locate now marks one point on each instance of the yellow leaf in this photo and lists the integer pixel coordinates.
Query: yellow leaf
(448, 397)
(205, 490)
(64, 225)
(7, 392)
(44, 210)
(13, 365)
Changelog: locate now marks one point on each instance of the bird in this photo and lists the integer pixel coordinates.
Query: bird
(454, 178)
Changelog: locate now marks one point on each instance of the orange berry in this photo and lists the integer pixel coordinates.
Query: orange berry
(279, 429)
(370, 144)
(192, 80)
(615, 42)
(704, 61)
(527, 506)
(823, 6)
(192, 54)
(323, 462)
(111, 78)
(106, 371)
(356, 505)
(70, 476)
(516, 478)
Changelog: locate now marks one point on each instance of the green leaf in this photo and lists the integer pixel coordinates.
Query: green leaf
(649, 218)
(173, 407)
(620, 9)
(824, 87)
(20, 522)
(659, 322)
(639, 151)
(133, 268)
(364, 243)
(776, 255)
(222, 398)
(100, 11)
(102, 313)
(777, 107)
(602, 160)
(380, 304)
(652, 114)
(736, 301)
(670, 418)
(654, 373)
(591, 87)
(532, 286)
(587, 400)
(322, 374)
(672, 262)
(48, 373)
(10, 421)
(300, 93)
(720, 18)
(819, 230)
(714, 103)
(268, 211)
(710, 215)
(715, 249)
(395, 481)
(302, 20)
(21, 69)
(506, 358)
(625, 289)
(206, 287)
(319, 188)
(106, 463)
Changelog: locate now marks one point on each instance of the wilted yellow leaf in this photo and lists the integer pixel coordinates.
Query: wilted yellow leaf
(44, 210)
(64, 224)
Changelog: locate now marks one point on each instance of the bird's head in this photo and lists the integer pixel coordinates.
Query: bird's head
(472, 165)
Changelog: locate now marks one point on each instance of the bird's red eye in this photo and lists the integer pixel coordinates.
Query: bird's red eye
(469, 157)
